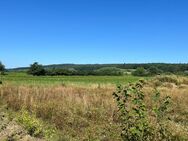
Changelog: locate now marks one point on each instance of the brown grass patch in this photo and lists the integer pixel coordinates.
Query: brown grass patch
(81, 113)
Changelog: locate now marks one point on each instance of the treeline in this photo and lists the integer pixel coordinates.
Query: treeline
(164, 67)
(108, 69)
(38, 70)
(173, 68)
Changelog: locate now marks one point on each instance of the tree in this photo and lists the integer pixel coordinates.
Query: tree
(140, 71)
(154, 70)
(2, 68)
(36, 69)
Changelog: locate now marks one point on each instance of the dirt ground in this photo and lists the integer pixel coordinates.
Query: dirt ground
(10, 130)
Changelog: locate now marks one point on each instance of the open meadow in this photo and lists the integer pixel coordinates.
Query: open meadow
(93, 70)
(77, 107)
(83, 108)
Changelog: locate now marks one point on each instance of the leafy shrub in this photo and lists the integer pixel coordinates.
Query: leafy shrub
(140, 71)
(34, 126)
(138, 121)
(154, 70)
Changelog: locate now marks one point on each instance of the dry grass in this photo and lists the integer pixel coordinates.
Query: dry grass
(80, 113)
(177, 88)
(87, 113)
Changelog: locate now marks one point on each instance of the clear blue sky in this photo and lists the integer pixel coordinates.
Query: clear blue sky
(93, 31)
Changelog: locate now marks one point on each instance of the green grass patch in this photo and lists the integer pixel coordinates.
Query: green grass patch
(23, 78)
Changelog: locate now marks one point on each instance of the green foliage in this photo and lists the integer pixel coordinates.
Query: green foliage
(186, 72)
(36, 69)
(58, 71)
(135, 115)
(34, 126)
(89, 69)
(2, 68)
(153, 70)
(140, 71)
(109, 71)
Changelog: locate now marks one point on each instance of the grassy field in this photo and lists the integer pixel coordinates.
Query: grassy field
(82, 108)
(23, 78)
(78, 106)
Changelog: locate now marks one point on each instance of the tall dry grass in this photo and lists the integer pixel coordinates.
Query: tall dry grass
(80, 113)
(177, 88)
(88, 113)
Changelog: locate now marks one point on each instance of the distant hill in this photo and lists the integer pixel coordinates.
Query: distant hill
(68, 66)
(165, 67)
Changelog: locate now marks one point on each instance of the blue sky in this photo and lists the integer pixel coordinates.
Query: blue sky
(93, 31)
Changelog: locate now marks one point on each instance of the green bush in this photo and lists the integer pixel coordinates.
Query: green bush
(154, 70)
(34, 126)
(136, 116)
(140, 71)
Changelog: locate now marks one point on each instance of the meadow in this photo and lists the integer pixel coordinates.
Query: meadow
(22, 78)
(77, 106)
(82, 107)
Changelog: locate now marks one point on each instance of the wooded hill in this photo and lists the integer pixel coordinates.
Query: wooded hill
(110, 69)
